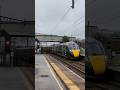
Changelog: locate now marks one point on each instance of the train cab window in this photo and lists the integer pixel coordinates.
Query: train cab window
(94, 48)
(73, 46)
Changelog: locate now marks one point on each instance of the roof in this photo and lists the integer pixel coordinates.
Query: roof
(39, 34)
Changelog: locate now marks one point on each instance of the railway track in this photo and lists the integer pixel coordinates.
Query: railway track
(111, 85)
(76, 66)
(79, 68)
(107, 85)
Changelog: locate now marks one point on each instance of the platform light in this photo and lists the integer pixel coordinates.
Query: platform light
(7, 42)
(7, 45)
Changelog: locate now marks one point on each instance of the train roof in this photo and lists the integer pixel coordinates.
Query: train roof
(89, 39)
(67, 43)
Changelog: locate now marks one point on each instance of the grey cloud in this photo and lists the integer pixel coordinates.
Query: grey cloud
(104, 13)
(48, 16)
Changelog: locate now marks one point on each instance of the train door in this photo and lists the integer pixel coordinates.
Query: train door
(7, 43)
(65, 51)
(2, 50)
(5, 46)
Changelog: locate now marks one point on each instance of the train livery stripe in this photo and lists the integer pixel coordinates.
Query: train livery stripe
(75, 53)
(98, 64)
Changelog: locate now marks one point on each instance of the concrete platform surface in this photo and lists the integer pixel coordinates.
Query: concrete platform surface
(44, 77)
(12, 79)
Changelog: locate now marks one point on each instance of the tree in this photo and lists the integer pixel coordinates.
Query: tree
(65, 39)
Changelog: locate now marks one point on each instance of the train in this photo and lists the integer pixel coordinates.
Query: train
(95, 60)
(93, 54)
(68, 50)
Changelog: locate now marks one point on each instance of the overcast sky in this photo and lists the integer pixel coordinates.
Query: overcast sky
(104, 13)
(48, 14)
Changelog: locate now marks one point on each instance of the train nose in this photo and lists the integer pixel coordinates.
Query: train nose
(98, 64)
(76, 53)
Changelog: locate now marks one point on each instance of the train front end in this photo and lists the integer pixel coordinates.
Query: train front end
(74, 50)
(95, 59)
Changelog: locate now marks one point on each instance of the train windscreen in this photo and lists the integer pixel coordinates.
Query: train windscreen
(73, 46)
(94, 48)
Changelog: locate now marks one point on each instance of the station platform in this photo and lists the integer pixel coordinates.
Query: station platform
(45, 79)
(13, 79)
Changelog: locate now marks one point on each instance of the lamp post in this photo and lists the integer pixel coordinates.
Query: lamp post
(72, 4)
(0, 16)
(1, 1)
(1, 13)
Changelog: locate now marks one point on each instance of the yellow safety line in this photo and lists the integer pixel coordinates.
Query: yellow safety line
(69, 83)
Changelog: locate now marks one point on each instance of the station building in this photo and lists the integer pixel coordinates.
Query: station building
(15, 36)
